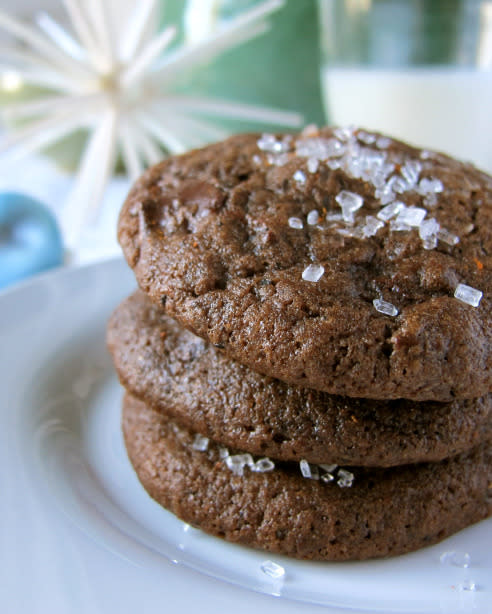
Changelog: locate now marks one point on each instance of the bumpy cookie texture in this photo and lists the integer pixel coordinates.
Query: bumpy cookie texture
(384, 512)
(179, 374)
(328, 260)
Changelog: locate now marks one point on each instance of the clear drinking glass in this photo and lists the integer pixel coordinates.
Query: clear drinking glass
(420, 70)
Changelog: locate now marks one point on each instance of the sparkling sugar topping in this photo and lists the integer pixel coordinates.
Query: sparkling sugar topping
(312, 165)
(238, 462)
(308, 471)
(363, 155)
(300, 176)
(411, 216)
(429, 232)
(313, 217)
(200, 443)
(350, 203)
(345, 478)
(467, 585)
(371, 226)
(313, 272)
(467, 294)
(403, 198)
(270, 143)
(273, 570)
(384, 307)
(326, 473)
(295, 222)
(263, 465)
(390, 211)
(455, 558)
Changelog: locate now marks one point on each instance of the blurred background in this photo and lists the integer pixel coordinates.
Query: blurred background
(419, 70)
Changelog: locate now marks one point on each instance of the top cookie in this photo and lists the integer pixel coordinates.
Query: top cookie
(329, 259)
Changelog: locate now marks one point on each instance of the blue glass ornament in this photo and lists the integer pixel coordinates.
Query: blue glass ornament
(30, 240)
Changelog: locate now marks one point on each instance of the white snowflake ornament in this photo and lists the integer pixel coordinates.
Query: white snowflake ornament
(111, 76)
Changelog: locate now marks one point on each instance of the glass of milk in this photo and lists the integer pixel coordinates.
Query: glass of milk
(420, 70)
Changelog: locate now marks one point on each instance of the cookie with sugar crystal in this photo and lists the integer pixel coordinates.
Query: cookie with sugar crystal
(359, 514)
(338, 260)
(179, 374)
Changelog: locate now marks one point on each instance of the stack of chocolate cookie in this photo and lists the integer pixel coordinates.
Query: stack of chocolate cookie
(308, 361)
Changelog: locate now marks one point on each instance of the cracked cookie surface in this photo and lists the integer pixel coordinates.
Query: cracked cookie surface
(382, 512)
(183, 376)
(328, 259)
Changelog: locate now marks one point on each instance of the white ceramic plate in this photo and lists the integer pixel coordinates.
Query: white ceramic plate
(79, 534)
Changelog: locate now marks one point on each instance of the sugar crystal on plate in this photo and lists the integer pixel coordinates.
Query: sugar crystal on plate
(467, 585)
(274, 570)
(455, 558)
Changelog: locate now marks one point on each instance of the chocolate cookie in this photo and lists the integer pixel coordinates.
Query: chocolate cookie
(359, 515)
(337, 260)
(182, 375)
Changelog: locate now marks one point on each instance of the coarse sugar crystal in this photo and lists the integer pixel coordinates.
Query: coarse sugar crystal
(278, 159)
(447, 237)
(383, 142)
(366, 137)
(200, 443)
(312, 165)
(467, 294)
(273, 570)
(428, 232)
(313, 217)
(313, 272)
(350, 202)
(410, 171)
(345, 478)
(328, 467)
(263, 465)
(371, 226)
(300, 176)
(308, 471)
(391, 210)
(295, 222)
(270, 143)
(456, 558)
(412, 216)
(430, 185)
(468, 585)
(385, 307)
(238, 462)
